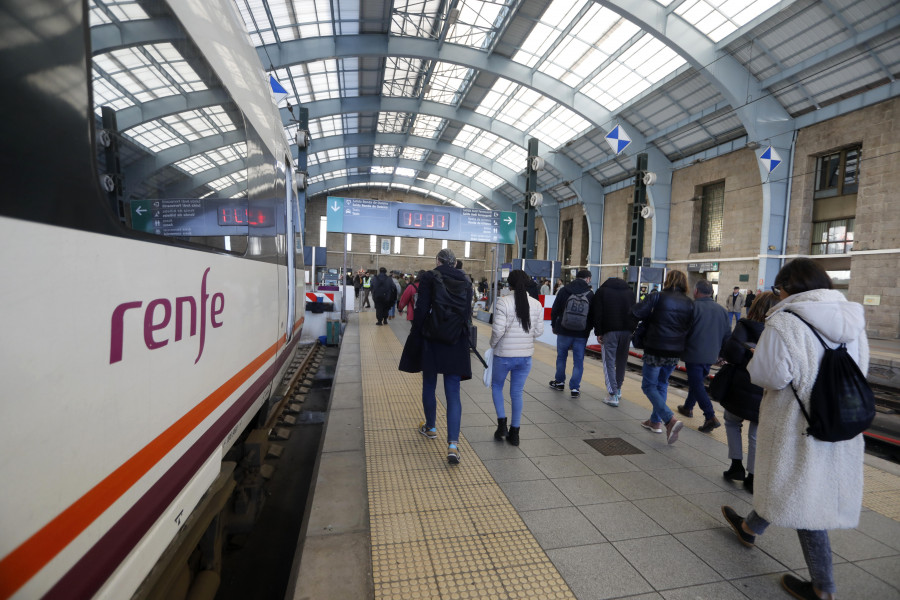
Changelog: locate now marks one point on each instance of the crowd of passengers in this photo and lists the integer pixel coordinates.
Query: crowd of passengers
(797, 481)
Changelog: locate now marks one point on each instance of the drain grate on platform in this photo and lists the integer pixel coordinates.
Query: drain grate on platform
(612, 446)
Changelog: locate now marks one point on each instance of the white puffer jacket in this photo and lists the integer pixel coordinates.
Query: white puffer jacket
(507, 336)
(801, 482)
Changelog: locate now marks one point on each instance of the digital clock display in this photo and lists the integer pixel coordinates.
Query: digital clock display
(248, 217)
(418, 219)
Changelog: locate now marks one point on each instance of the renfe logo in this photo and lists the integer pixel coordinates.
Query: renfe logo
(163, 308)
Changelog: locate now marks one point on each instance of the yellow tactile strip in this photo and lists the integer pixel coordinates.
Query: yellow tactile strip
(881, 491)
(438, 531)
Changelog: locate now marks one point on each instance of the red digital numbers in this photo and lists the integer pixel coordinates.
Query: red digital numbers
(241, 215)
(414, 219)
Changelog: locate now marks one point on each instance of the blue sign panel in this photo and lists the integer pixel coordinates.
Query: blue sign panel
(380, 217)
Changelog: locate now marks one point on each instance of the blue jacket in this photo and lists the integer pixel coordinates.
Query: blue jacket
(668, 314)
(710, 327)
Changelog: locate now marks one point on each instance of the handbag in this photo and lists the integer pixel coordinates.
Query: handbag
(637, 338)
(489, 369)
(721, 383)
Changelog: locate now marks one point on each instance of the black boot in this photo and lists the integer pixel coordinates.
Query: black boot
(736, 472)
(513, 437)
(748, 482)
(501, 430)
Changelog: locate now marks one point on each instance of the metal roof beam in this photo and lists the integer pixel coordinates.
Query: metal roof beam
(170, 105)
(337, 183)
(106, 38)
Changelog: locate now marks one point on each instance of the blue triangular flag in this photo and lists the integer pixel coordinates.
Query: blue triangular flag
(278, 90)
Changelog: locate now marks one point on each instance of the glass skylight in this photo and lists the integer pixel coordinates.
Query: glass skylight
(143, 73)
(416, 18)
(514, 157)
(477, 22)
(320, 80)
(447, 83)
(386, 151)
(237, 180)
(411, 153)
(514, 104)
(176, 129)
(392, 122)
(640, 66)
(403, 76)
(116, 11)
(334, 154)
(333, 125)
(428, 126)
(559, 127)
(481, 141)
(405, 172)
(209, 160)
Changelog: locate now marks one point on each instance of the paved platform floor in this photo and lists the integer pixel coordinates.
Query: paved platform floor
(553, 517)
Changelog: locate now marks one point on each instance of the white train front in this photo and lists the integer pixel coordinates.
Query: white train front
(150, 285)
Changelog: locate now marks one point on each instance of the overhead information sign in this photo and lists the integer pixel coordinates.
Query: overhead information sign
(380, 217)
(187, 217)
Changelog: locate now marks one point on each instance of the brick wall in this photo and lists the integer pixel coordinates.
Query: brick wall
(877, 227)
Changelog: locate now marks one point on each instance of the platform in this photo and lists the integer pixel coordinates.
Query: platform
(553, 517)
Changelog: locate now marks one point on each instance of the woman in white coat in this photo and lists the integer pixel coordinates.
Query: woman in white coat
(801, 482)
(518, 320)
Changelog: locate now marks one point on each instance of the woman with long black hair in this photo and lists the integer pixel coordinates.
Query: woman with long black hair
(518, 320)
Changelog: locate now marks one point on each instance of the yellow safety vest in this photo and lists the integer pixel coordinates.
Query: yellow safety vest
(367, 282)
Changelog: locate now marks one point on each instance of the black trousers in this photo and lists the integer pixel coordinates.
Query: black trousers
(381, 311)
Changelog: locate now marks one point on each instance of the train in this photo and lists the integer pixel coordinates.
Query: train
(152, 290)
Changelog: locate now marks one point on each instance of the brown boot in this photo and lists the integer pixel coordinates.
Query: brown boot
(709, 425)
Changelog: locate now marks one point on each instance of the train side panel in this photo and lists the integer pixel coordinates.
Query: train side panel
(94, 362)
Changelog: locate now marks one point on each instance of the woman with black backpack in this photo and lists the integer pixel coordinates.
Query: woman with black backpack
(802, 482)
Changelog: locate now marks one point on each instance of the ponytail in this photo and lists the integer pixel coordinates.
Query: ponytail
(518, 281)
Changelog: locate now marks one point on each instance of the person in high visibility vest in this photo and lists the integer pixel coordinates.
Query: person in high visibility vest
(366, 289)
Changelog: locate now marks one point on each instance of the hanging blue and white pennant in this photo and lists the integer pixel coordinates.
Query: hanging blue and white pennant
(770, 159)
(278, 90)
(618, 139)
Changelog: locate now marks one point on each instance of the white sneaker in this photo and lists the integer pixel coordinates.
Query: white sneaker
(612, 401)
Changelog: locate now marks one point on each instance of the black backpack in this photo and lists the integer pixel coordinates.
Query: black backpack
(449, 316)
(575, 313)
(841, 403)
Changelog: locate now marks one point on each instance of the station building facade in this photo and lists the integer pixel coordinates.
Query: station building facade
(843, 209)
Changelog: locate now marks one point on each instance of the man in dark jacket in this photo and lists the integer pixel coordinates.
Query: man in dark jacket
(432, 357)
(384, 293)
(569, 336)
(710, 328)
(613, 324)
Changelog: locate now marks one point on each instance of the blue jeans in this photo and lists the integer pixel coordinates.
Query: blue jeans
(518, 368)
(816, 551)
(577, 344)
(655, 384)
(697, 373)
(454, 407)
(734, 317)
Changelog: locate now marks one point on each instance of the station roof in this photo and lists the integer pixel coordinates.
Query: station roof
(440, 97)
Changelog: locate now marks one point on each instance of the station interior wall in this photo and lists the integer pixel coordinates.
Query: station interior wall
(877, 225)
